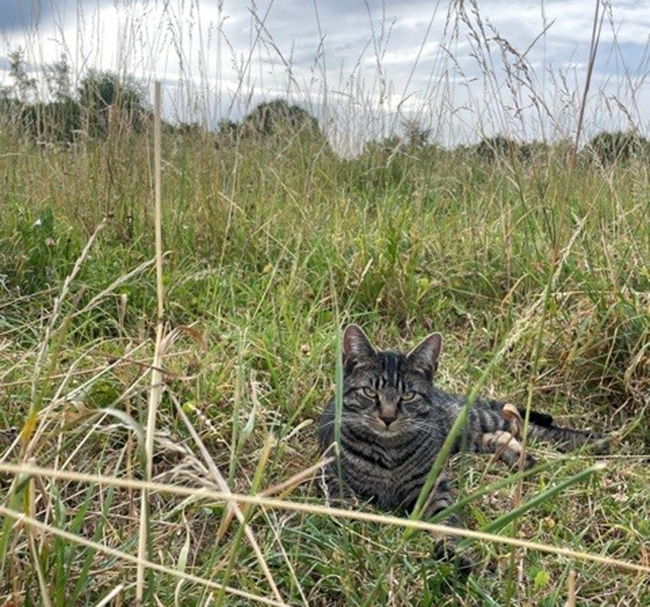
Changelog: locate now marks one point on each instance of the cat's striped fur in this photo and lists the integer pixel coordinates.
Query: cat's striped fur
(394, 422)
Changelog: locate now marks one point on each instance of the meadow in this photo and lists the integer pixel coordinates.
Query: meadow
(532, 260)
(534, 270)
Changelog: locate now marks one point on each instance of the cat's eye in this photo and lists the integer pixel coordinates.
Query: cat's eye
(409, 397)
(369, 392)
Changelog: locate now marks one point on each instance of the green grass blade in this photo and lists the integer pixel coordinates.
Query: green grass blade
(546, 495)
(83, 580)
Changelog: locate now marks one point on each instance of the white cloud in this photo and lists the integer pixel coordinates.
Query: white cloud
(361, 65)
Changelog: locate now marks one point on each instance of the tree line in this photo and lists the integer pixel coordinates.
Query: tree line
(104, 102)
(100, 102)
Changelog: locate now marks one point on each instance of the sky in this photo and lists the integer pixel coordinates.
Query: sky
(365, 68)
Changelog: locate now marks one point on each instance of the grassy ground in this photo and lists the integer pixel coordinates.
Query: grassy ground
(269, 249)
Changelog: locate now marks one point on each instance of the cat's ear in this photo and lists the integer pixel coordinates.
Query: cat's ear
(426, 354)
(356, 345)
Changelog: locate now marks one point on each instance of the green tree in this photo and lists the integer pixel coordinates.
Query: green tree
(494, 148)
(59, 79)
(416, 136)
(278, 118)
(228, 128)
(23, 85)
(59, 119)
(105, 98)
(607, 148)
(55, 121)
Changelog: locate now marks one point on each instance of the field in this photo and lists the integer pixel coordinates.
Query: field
(140, 384)
(536, 272)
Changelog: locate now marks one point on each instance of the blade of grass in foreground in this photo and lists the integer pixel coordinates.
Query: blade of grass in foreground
(247, 511)
(221, 483)
(84, 575)
(338, 402)
(522, 324)
(500, 484)
(504, 520)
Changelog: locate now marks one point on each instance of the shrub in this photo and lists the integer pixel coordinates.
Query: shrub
(607, 148)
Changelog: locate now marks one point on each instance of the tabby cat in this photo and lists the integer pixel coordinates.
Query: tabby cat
(394, 422)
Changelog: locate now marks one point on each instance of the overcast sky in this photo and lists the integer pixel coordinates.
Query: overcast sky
(513, 66)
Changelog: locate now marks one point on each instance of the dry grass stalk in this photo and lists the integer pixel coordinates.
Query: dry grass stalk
(232, 506)
(114, 285)
(571, 589)
(62, 398)
(268, 502)
(595, 39)
(22, 518)
(285, 487)
(281, 489)
(32, 429)
(155, 393)
(42, 584)
(110, 596)
(50, 330)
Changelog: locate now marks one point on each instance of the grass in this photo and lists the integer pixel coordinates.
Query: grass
(534, 267)
(264, 254)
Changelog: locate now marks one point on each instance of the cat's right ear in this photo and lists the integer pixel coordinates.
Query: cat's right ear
(356, 346)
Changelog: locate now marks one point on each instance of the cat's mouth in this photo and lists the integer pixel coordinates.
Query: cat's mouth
(384, 429)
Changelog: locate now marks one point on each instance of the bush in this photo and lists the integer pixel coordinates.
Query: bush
(279, 119)
(106, 99)
(607, 148)
(58, 121)
(103, 101)
(494, 148)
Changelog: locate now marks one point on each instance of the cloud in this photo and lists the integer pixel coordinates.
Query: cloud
(21, 15)
(15, 15)
(362, 67)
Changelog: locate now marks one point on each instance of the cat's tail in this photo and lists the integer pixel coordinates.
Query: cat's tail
(543, 427)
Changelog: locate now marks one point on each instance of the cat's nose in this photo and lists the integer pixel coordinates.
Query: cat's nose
(387, 410)
(388, 417)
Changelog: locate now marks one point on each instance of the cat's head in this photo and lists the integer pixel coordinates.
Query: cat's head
(385, 390)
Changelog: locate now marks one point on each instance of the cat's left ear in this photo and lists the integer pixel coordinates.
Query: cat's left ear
(426, 354)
